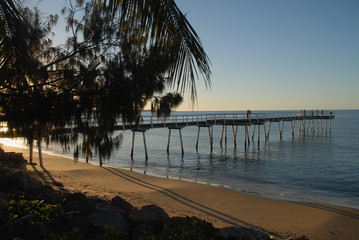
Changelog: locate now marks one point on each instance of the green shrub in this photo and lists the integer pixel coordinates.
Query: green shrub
(192, 229)
(112, 234)
(74, 235)
(45, 213)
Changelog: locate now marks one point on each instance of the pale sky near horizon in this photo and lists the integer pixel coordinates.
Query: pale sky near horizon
(274, 54)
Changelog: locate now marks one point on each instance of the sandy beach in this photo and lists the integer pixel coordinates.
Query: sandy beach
(220, 206)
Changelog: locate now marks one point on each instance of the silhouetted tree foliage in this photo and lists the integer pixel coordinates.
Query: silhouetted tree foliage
(99, 74)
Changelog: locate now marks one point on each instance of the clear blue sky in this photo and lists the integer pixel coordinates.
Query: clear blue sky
(275, 54)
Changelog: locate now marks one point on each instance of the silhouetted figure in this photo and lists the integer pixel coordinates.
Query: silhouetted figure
(249, 115)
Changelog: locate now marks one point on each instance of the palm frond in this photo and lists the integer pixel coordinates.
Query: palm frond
(16, 56)
(161, 23)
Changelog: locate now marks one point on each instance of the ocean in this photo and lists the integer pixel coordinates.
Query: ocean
(319, 166)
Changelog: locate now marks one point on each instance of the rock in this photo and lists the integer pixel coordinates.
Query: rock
(298, 238)
(151, 215)
(4, 204)
(4, 213)
(137, 232)
(13, 160)
(75, 197)
(4, 217)
(28, 231)
(123, 204)
(173, 222)
(106, 207)
(113, 219)
(79, 222)
(78, 202)
(49, 195)
(17, 181)
(242, 233)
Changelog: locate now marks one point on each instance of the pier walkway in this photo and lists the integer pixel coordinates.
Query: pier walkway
(313, 120)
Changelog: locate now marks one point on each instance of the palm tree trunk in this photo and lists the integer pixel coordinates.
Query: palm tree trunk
(40, 153)
(31, 151)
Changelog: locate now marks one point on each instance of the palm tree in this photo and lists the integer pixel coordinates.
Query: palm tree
(160, 22)
(18, 66)
(158, 25)
(15, 51)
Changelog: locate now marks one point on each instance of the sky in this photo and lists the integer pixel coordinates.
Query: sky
(274, 54)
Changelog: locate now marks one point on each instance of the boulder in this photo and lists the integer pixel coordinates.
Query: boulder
(49, 195)
(173, 222)
(242, 233)
(151, 215)
(18, 181)
(12, 160)
(77, 221)
(106, 207)
(4, 204)
(123, 204)
(77, 202)
(113, 219)
(298, 238)
(27, 231)
(137, 232)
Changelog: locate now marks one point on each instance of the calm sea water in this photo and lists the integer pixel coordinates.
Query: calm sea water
(320, 167)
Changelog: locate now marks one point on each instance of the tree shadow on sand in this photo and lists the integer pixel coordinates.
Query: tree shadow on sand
(190, 203)
(46, 177)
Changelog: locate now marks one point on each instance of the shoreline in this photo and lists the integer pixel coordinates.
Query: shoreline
(220, 206)
(219, 185)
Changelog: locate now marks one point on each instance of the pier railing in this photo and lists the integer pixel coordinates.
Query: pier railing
(175, 121)
(218, 119)
(178, 120)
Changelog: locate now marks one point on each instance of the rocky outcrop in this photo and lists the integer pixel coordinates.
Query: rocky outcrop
(149, 215)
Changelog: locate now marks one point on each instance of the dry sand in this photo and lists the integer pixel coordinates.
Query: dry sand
(220, 206)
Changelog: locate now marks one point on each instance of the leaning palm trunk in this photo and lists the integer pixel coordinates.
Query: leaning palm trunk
(31, 147)
(40, 151)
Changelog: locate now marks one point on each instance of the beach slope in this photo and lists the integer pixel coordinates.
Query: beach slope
(220, 206)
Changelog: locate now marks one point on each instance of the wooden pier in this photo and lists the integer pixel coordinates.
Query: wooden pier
(233, 120)
(312, 121)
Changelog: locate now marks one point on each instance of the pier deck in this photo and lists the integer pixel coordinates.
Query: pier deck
(235, 120)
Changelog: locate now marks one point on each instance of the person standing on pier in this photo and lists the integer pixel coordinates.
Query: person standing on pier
(249, 114)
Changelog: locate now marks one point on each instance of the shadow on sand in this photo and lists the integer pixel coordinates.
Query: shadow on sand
(185, 201)
(46, 177)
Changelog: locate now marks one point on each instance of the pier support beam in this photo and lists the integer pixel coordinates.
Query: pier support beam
(326, 125)
(292, 123)
(267, 135)
(280, 129)
(316, 120)
(330, 125)
(224, 128)
(144, 141)
(246, 137)
(210, 134)
(258, 136)
(234, 135)
(254, 130)
(169, 136)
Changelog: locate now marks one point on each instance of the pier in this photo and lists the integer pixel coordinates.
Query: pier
(307, 120)
(314, 121)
